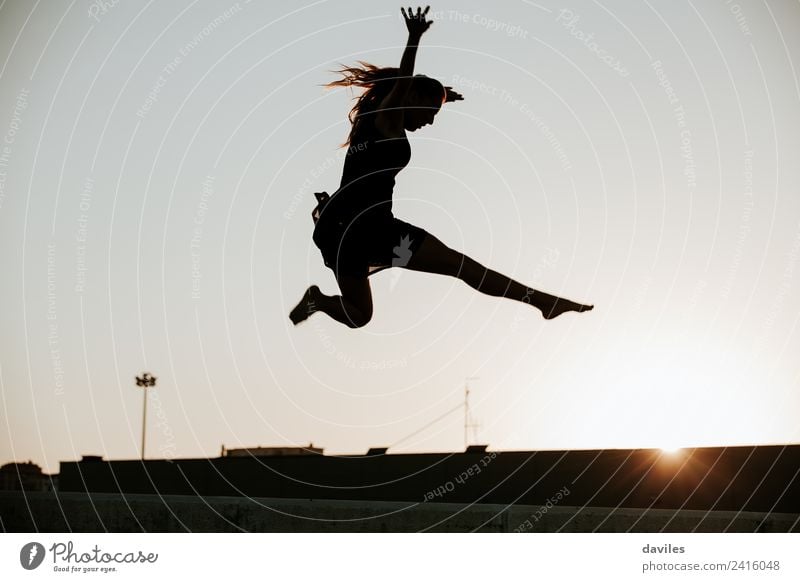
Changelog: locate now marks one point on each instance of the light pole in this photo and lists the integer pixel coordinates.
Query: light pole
(145, 382)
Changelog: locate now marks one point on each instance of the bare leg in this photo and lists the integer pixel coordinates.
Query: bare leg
(352, 308)
(433, 256)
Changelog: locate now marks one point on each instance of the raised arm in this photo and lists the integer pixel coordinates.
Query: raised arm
(390, 116)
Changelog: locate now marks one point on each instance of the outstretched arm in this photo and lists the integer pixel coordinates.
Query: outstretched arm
(390, 115)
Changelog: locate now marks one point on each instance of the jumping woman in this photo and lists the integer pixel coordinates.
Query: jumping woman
(355, 229)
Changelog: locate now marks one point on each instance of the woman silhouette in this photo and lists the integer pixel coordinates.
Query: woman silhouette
(355, 229)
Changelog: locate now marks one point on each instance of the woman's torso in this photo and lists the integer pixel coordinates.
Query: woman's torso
(370, 167)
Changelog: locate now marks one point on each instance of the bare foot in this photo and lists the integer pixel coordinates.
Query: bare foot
(563, 305)
(307, 305)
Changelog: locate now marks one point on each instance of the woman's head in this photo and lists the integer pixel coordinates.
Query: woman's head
(424, 99)
(423, 102)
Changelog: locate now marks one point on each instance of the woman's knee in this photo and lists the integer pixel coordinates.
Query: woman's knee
(356, 300)
(358, 316)
(472, 272)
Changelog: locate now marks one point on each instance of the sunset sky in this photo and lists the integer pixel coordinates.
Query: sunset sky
(157, 169)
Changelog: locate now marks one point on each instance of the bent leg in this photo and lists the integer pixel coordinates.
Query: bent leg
(433, 256)
(352, 308)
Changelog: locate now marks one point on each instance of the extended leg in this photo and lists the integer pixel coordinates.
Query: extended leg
(433, 256)
(352, 308)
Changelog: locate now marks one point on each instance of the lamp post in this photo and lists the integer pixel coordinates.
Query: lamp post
(145, 382)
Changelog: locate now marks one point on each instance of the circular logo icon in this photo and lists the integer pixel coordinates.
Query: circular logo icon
(31, 555)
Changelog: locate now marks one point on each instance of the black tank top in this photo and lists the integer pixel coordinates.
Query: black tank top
(370, 166)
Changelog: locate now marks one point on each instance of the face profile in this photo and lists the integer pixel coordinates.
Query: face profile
(420, 110)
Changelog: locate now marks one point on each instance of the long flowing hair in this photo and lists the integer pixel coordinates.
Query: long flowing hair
(378, 83)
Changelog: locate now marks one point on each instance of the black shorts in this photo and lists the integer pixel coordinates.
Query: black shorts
(360, 249)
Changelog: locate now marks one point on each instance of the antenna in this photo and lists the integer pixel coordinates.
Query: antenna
(468, 421)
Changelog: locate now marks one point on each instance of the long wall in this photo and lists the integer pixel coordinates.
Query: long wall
(759, 479)
(101, 512)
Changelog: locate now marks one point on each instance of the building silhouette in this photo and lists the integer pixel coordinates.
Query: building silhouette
(763, 478)
(25, 477)
(271, 451)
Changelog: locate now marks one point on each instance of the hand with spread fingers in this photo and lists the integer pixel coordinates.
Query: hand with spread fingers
(417, 24)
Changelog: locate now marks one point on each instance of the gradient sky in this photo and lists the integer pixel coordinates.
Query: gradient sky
(156, 177)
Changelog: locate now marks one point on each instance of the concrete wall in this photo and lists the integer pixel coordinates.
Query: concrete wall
(100, 512)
